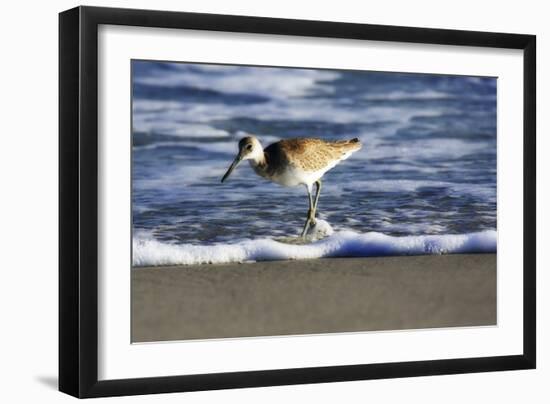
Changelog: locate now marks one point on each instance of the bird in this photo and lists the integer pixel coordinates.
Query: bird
(294, 162)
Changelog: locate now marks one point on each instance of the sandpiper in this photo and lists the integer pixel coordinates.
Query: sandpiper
(293, 162)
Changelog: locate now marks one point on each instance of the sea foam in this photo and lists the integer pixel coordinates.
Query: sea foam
(150, 252)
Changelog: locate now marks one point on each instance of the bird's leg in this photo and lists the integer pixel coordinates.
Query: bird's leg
(310, 213)
(318, 183)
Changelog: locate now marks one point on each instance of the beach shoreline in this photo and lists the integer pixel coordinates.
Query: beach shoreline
(317, 296)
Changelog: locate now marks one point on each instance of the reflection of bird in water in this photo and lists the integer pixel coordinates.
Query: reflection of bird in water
(293, 162)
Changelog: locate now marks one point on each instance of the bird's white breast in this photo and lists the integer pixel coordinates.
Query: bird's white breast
(293, 176)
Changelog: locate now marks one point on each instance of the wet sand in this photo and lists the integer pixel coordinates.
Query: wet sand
(313, 296)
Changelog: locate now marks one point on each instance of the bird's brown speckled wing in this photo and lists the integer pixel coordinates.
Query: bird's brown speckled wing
(311, 154)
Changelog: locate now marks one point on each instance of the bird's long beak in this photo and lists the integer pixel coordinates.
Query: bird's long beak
(235, 163)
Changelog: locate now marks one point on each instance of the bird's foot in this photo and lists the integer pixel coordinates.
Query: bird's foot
(304, 231)
(311, 222)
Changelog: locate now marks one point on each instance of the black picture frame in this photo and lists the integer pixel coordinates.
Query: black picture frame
(78, 201)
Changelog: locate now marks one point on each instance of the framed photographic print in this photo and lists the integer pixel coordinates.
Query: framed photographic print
(251, 201)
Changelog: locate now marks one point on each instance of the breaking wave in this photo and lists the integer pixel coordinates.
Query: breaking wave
(150, 252)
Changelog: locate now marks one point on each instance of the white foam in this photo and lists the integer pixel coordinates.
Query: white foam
(424, 95)
(455, 189)
(422, 149)
(404, 95)
(266, 82)
(150, 252)
(320, 230)
(309, 109)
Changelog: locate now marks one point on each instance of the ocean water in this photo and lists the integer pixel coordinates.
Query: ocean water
(424, 181)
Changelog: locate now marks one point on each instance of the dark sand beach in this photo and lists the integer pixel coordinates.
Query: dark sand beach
(313, 296)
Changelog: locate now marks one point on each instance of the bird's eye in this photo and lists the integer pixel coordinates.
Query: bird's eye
(249, 146)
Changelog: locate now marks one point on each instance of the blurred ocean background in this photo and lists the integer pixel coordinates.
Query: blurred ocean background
(426, 173)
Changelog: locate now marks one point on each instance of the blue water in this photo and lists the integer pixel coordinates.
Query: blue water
(427, 166)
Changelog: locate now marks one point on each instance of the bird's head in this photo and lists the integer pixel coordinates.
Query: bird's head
(249, 149)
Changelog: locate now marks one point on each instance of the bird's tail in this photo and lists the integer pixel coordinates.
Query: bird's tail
(348, 145)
